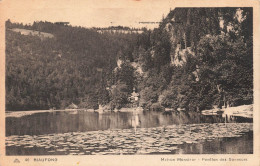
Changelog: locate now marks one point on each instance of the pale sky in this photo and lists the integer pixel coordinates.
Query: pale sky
(89, 13)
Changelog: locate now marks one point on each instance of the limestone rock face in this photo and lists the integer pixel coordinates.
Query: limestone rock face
(179, 47)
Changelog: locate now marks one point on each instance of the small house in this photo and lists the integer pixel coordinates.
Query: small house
(72, 106)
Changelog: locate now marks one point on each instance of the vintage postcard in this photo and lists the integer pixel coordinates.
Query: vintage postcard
(129, 82)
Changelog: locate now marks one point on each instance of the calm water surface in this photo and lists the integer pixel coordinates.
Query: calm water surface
(51, 133)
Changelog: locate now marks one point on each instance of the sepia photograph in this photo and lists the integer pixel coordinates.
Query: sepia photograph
(89, 79)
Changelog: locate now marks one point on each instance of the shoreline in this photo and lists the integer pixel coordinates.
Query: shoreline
(245, 111)
(17, 114)
(242, 111)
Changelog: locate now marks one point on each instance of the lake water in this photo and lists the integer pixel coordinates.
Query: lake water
(89, 133)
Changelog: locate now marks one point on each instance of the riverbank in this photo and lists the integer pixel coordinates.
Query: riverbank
(18, 114)
(245, 111)
(242, 111)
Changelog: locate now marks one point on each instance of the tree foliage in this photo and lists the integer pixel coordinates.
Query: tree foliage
(80, 65)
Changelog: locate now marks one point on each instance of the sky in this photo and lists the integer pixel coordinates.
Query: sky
(89, 13)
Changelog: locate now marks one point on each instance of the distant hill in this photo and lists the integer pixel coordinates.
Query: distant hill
(33, 33)
(119, 29)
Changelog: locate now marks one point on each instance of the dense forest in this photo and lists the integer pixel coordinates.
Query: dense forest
(74, 66)
(195, 59)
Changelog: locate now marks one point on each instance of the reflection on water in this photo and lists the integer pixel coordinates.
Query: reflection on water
(85, 133)
(62, 122)
(226, 145)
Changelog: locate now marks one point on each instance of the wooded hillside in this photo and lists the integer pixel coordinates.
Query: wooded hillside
(197, 58)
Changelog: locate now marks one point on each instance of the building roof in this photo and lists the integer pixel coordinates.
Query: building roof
(73, 106)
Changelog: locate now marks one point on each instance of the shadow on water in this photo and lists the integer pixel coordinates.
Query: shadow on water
(62, 122)
(234, 145)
